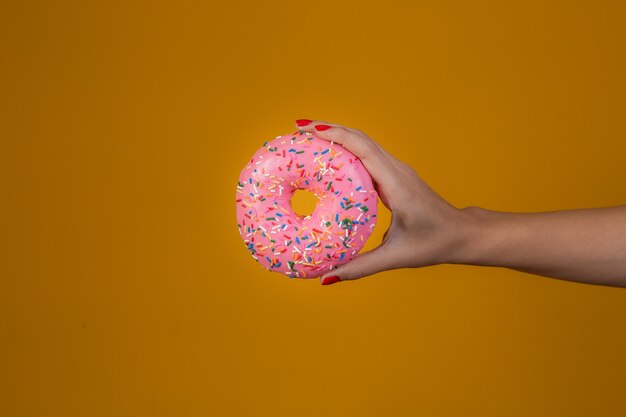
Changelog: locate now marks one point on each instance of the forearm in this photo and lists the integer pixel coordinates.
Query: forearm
(587, 245)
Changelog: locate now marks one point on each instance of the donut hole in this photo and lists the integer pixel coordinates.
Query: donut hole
(303, 202)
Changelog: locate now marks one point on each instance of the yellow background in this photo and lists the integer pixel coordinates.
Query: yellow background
(125, 289)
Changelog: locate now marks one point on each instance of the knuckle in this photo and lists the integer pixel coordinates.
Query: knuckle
(407, 169)
(338, 133)
(359, 274)
(369, 146)
(343, 132)
(403, 166)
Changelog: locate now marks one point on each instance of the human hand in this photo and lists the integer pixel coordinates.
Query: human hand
(425, 229)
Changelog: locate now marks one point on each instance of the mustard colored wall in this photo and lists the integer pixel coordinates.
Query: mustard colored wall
(125, 289)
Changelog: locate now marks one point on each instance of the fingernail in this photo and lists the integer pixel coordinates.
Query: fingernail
(322, 127)
(330, 280)
(303, 122)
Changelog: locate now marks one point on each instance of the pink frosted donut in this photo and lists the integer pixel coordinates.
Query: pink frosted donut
(305, 246)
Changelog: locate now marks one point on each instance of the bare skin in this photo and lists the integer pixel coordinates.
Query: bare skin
(584, 245)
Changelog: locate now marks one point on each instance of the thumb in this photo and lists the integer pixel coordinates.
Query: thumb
(367, 263)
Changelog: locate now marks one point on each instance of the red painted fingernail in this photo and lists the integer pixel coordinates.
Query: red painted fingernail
(330, 280)
(303, 122)
(322, 127)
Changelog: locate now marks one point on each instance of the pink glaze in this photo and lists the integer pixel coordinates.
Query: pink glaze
(345, 215)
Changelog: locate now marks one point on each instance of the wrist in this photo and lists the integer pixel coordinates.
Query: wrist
(471, 226)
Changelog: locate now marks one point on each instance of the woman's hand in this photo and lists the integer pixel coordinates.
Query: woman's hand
(424, 230)
(583, 245)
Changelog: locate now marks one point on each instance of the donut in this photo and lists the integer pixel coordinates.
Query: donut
(305, 246)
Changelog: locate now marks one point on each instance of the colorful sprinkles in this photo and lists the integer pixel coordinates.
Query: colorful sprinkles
(304, 246)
